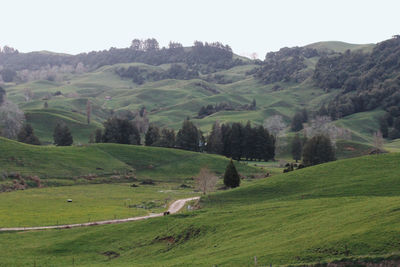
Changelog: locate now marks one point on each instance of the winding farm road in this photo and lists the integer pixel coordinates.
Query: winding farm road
(173, 208)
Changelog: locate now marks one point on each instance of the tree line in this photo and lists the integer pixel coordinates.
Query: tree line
(234, 140)
(215, 55)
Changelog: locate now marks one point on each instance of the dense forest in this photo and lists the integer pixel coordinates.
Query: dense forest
(364, 81)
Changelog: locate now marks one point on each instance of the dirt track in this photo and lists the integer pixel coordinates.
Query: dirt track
(173, 208)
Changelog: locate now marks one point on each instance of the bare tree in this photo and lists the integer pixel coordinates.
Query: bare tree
(378, 141)
(277, 127)
(88, 111)
(206, 180)
(28, 94)
(11, 119)
(322, 125)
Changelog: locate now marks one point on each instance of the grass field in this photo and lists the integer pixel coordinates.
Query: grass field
(49, 206)
(343, 209)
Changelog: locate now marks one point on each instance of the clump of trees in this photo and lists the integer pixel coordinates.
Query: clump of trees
(389, 123)
(189, 137)
(297, 147)
(140, 75)
(286, 65)
(62, 135)
(317, 150)
(121, 131)
(211, 109)
(298, 119)
(239, 141)
(27, 135)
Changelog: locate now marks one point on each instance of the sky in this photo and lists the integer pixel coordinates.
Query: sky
(248, 26)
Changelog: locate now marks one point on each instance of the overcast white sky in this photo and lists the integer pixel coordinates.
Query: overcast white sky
(74, 26)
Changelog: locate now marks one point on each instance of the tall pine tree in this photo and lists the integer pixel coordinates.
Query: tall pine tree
(297, 147)
(318, 150)
(214, 140)
(188, 137)
(152, 135)
(26, 135)
(62, 135)
(231, 176)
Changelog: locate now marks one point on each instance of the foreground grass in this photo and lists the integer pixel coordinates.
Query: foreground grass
(348, 208)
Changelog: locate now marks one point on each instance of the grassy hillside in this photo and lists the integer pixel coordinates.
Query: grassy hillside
(340, 47)
(106, 160)
(338, 210)
(168, 102)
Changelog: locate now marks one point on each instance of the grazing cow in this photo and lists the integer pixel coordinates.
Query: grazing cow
(166, 213)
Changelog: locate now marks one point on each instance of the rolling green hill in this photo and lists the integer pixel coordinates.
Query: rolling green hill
(105, 160)
(169, 101)
(340, 47)
(341, 210)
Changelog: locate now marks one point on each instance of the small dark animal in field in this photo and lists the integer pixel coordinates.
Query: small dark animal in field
(69, 200)
(166, 213)
(148, 182)
(111, 254)
(134, 185)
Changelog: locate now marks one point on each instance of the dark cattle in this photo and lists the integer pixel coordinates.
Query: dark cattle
(166, 213)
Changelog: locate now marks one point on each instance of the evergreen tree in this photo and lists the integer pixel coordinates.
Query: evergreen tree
(237, 141)
(26, 135)
(304, 113)
(226, 131)
(120, 131)
(188, 136)
(2, 95)
(167, 138)
(253, 104)
(384, 127)
(231, 176)
(297, 122)
(98, 136)
(265, 144)
(62, 135)
(396, 123)
(297, 147)
(214, 140)
(249, 142)
(394, 134)
(152, 135)
(318, 150)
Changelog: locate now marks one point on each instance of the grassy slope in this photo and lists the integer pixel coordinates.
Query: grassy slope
(348, 208)
(66, 162)
(340, 47)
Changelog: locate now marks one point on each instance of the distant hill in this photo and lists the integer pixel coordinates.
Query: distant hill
(175, 83)
(339, 47)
